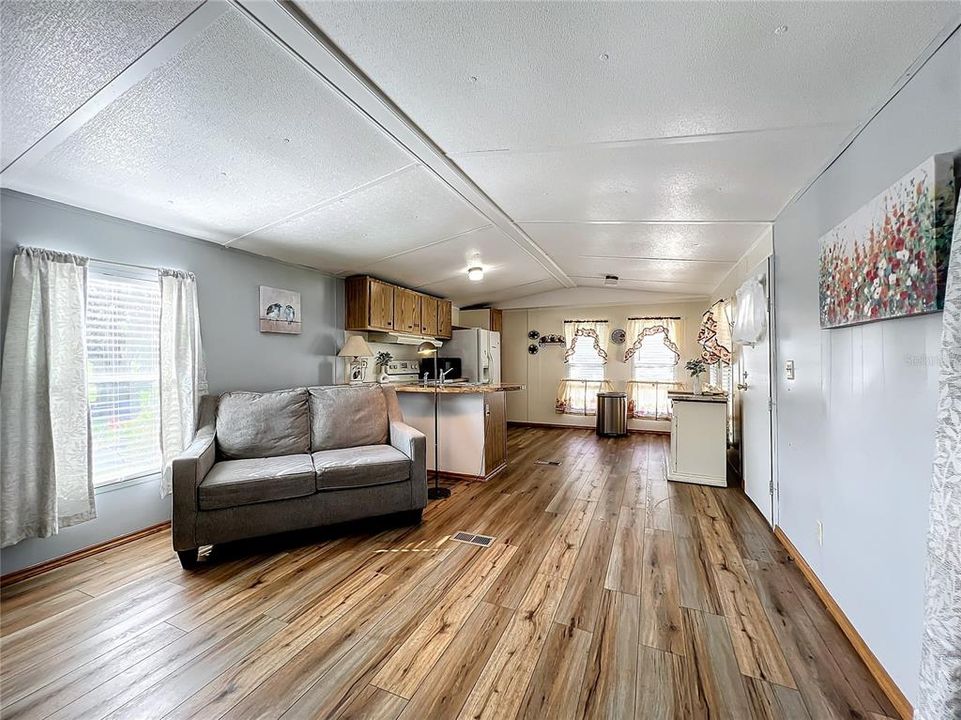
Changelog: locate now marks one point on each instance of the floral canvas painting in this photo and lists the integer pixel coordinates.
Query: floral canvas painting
(890, 258)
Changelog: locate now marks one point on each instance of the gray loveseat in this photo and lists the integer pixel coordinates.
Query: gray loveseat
(264, 463)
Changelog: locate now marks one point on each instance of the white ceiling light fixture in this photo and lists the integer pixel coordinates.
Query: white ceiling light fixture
(475, 273)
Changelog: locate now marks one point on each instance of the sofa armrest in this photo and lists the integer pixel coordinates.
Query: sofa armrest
(413, 443)
(188, 470)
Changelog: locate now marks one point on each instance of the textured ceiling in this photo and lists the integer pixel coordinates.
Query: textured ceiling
(55, 56)
(651, 140)
(482, 76)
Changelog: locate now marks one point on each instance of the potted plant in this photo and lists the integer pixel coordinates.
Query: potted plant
(696, 367)
(382, 360)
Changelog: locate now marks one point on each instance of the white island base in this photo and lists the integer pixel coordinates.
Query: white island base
(698, 439)
(472, 429)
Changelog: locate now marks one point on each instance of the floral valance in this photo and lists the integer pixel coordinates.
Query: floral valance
(640, 328)
(714, 336)
(594, 330)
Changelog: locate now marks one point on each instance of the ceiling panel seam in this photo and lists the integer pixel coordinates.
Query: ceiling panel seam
(635, 142)
(155, 56)
(293, 30)
(432, 244)
(656, 259)
(645, 222)
(328, 201)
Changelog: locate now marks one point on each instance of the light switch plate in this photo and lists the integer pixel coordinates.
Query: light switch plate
(789, 369)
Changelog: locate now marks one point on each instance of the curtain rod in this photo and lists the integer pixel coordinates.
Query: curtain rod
(100, 261)
(656, 317)
(577, 321)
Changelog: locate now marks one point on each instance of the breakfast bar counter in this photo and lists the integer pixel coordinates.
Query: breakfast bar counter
(457, 388)
(471, 425)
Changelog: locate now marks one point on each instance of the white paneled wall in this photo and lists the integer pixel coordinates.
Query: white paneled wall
(855, 429)
(542, 372)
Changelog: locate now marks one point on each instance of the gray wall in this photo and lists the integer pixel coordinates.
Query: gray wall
(238, 355)
(855, 430)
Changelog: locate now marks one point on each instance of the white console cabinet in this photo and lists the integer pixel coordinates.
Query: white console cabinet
(698, 439)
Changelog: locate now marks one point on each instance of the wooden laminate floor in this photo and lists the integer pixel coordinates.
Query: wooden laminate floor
(608, 593)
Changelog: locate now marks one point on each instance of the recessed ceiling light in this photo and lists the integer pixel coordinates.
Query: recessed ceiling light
(475, 274)
(780, 29)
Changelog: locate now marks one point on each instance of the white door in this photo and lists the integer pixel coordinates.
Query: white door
(754, 386)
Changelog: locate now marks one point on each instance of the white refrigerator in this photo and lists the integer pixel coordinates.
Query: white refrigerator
(480, 354)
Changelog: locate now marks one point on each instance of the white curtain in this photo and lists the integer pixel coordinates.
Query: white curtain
(183, 373)
(750, 322)
(579, 397)
(45, 478)
(940, 694)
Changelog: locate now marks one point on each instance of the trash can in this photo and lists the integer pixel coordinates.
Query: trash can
(611, 414)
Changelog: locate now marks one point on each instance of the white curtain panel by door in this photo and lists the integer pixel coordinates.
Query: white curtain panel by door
(750, 320)
(940, 696)
(183, 373)
(45, 478)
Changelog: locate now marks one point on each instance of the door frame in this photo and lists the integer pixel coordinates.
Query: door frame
(774, 364)
(767, 267)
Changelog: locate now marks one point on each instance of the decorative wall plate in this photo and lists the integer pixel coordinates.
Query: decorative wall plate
(533, 334)
(618, 336)
(533, 349)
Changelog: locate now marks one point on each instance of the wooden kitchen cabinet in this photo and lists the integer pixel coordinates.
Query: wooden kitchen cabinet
(380, 306)
(484, 318)
(428, 316)
(407, 311)
(495, 432)
(370, 304)
(445, 325)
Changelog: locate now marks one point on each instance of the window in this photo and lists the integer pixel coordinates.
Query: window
(585, 363)
(653, 374)
(654, 361)
(123, 372)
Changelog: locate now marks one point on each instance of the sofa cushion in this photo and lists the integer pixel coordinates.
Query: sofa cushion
(343, 416)
(360, 466)
(244, 482)
(259, 425)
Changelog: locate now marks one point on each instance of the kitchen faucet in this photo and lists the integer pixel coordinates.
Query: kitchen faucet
(443, 375)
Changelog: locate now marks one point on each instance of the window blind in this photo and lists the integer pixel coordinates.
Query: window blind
(123, 374)
(585, 363)
(654, 361)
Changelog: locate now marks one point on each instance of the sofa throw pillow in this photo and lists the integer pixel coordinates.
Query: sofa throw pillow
(255, 425)
(344, 416)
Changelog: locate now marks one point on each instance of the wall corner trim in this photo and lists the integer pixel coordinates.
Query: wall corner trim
(888, 686)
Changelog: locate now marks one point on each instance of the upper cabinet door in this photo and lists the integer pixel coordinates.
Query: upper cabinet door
(406, 311)
(497, 320)
(428, 316)
(381, 305)
(444, 323)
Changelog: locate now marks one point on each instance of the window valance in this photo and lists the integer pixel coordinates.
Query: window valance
(714, 336)
(594, 330)
(640, 328)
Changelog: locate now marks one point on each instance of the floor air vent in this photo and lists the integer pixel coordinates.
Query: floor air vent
(547, 462)
(471, 539)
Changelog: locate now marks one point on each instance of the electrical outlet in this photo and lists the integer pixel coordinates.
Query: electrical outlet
(820, 533)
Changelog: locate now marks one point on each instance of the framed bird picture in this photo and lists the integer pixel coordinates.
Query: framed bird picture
(279, 311)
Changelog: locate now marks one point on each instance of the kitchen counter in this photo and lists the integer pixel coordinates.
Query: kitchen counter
(691, 397)
(458, 388)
